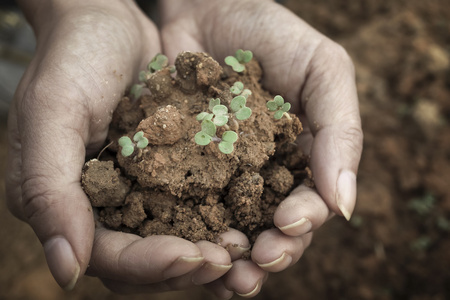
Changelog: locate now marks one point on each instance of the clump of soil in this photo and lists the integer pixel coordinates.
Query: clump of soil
(177, 187)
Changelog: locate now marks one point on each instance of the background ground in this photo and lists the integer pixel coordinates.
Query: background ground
(397, 245)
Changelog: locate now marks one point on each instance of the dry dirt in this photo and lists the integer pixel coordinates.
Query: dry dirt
(397, 244)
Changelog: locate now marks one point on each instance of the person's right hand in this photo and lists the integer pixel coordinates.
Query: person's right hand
(87, 54)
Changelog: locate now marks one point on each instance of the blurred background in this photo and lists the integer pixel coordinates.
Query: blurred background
(397, 244)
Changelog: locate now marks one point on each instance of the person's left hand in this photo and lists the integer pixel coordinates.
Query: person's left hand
(317, 76)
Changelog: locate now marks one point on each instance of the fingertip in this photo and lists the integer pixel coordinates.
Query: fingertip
(346, 193)
(235, 242)
(62, 262)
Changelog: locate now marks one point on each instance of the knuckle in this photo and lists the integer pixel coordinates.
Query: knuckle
(36, 200)
(352, 136)
(343, 56)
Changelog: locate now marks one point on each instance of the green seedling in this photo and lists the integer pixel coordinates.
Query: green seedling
(128, 146)
(239, 59)
(443, 224)
(136, 90)
(241, 111)
(237, 88)
(279, 107)
(159, 62)
(219, 113)
(228, 139)
(205, 136)
(423, 205)
(208, 134)
(421, 244)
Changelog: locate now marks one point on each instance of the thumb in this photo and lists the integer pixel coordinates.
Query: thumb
(53, 202)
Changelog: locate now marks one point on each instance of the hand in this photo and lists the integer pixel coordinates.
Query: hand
(317, 77)
(86, 56)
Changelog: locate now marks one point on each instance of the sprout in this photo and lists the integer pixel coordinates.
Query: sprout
(220, 115)
(140, 139)
(237, 105)
(157, 63)
(213, 102)
(136, 90)
(204, 116)
(237, 88)
(228, 139)
(205, 136)
(219, 112)
(128, 146)
(245, 93)
(239, 59)
(279, 106)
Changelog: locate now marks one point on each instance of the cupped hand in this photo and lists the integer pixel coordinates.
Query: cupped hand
(86, 56)
(317, 76)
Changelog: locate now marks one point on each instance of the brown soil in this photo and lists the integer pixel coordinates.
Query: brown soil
(176, 187)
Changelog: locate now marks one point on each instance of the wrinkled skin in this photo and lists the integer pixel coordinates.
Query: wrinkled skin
(88, 54)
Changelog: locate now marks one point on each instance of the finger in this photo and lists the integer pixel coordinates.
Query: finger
(125, 288)
(274, 251)
(235, 242)
(245, 278)
(301, 212)
(218, 288)
(118, 255)
(217, 262)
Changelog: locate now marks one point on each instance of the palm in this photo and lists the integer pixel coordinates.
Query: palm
(303, 66)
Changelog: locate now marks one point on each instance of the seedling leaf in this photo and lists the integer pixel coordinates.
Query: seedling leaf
(278, 100)
(202, 139)
(213, 102)
(286, 107)
(160, 61)
(220, 120)
(272, 106)
(247, 56)
(237, 88)
(138, 136)
(231, 61)
(204, 116)
(125, 141)
(136, 90)
(143, 76)
(229, 136)
(209, 128)
(219, 110)
(239, 55)
(279, 114)
(237, 103)
(226, 147)
(127, 150)
(142, 143)
(245, 93)
(243, 114)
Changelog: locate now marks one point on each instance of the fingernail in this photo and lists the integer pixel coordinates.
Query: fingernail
(236, 251)
(253, 293)
(203, 275)
(62, 262)
(278, 264)
(182, 266)
(346, 193)
(300, 227)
